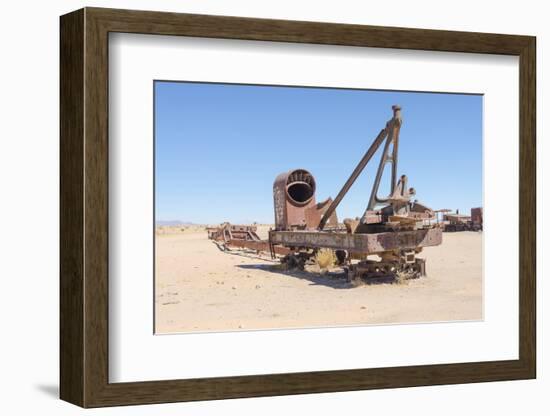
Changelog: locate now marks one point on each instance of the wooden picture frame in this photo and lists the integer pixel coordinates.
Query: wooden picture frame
(84, 207)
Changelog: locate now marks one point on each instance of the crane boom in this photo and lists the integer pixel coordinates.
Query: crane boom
(391, 133)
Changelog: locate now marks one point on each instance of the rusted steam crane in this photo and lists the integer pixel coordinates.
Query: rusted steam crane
(395, 228)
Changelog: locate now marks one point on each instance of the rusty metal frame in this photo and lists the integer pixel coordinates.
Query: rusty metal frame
(392, 139)
(358, 242)
(386, 133)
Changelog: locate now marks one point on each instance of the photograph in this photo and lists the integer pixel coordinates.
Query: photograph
(285, 207)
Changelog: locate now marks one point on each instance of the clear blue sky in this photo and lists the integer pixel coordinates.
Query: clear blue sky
(218, 147)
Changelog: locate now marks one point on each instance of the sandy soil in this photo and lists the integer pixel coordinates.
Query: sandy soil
(200, 288)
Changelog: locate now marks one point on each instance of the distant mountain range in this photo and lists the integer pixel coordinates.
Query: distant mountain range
(174, 223)
(178, 223)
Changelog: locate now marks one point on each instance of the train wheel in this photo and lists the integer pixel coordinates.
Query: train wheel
(292, 262)
(341, 256)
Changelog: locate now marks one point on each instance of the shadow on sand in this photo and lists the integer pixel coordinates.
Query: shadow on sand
(336, 279)
(332, 279)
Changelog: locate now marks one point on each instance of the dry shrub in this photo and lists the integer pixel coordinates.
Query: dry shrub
(401, 278)
(325, 259)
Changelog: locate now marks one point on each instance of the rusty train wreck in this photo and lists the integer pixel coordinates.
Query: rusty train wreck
(395, 228)
(452, 222)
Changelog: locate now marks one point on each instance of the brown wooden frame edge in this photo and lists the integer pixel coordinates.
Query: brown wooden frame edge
(84, 207)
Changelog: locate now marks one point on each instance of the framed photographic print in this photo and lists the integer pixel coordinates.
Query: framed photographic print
(255, 207)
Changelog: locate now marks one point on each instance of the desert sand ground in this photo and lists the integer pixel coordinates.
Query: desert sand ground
(200, 288)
